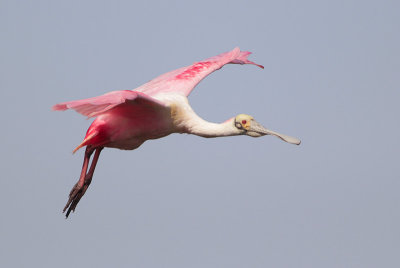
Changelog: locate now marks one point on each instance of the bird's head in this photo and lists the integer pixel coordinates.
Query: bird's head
(248, 126)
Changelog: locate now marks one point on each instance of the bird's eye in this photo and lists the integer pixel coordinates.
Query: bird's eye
(244, 122)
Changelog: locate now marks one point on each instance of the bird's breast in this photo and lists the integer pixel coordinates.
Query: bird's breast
(129, 131)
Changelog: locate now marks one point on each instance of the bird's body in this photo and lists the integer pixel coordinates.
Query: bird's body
(127, 118)
(127, 128)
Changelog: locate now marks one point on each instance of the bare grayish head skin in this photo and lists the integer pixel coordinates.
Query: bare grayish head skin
(251, 127)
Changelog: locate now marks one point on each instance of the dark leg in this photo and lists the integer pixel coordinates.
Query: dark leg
(84, 181)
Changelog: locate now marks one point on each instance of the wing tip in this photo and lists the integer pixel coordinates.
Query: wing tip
(242, 58)
(59, 107)
(259, 65)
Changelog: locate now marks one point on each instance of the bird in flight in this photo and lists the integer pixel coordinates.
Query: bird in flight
(125, 119)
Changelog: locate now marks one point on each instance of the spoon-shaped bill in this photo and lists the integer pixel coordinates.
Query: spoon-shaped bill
(257, 130)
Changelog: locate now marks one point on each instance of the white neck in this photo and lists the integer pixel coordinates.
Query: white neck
(185, 120)
(206, 129)
(197, 126)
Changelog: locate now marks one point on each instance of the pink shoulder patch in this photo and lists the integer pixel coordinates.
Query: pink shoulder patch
(194, 70)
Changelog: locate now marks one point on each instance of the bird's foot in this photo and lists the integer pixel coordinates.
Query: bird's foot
(75, 195)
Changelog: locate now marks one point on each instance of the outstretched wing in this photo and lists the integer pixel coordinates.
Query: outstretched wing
(183, 80)
(97, 105)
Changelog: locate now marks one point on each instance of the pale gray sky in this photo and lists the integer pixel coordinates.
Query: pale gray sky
(331, 78)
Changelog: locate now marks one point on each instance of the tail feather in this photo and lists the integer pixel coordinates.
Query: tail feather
(85, 141)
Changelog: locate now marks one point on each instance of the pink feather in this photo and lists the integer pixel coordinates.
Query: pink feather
(182, 81)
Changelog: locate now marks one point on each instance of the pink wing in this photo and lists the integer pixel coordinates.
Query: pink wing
(183, 80)
(97, 105)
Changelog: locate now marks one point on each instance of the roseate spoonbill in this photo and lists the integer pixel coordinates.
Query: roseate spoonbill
(127, 118)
